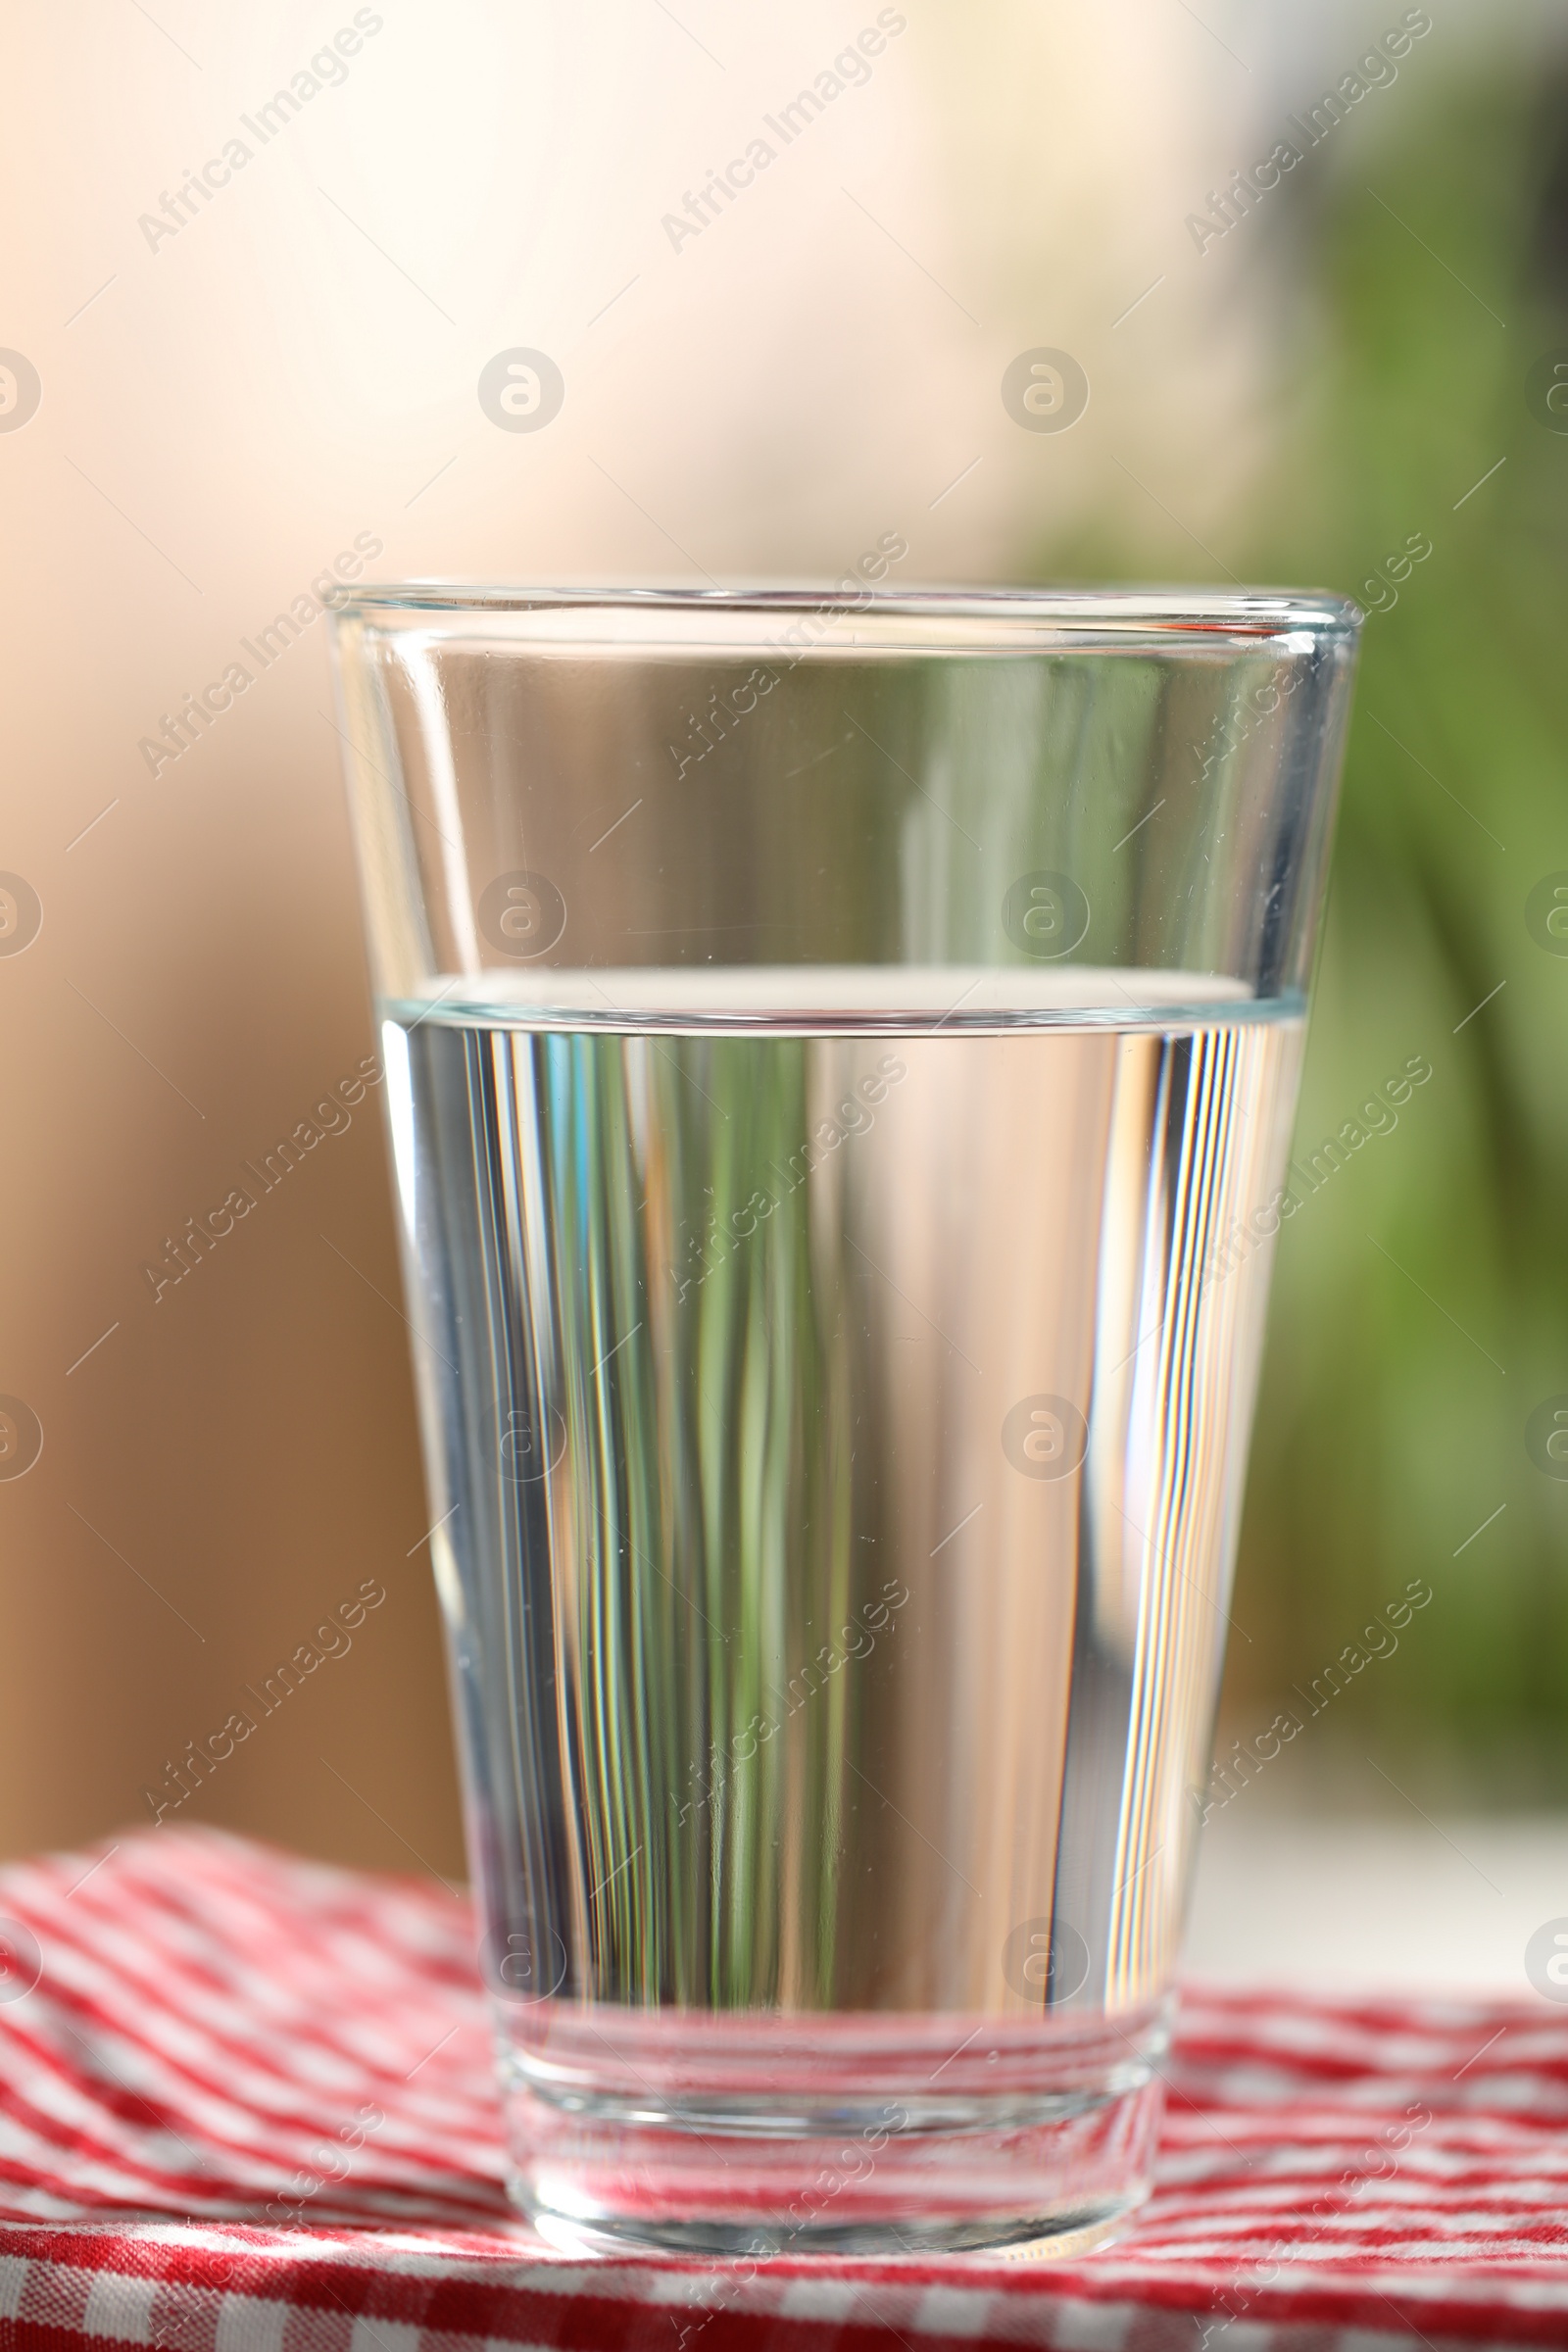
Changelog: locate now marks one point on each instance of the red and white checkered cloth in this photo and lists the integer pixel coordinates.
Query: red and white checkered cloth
(219, 2030)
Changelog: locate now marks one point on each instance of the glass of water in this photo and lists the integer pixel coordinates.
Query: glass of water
(840, 1061)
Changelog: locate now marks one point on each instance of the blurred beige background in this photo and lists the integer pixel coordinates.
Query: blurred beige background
(225, 405)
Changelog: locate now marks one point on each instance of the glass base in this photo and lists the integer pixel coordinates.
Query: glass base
(743, 2138)
(1054, 2237)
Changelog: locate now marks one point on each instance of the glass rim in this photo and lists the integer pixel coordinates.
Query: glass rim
(1171, 612)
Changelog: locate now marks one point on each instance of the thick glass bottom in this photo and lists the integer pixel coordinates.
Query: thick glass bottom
(743, 2137)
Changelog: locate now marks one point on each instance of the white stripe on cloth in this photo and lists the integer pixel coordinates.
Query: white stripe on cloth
(247, 2324)
(119, 2307)
(12, 2281)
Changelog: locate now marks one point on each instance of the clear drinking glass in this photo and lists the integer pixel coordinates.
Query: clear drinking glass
(840, 1060)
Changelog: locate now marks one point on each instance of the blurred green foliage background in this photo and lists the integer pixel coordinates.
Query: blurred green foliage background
(1420, 1310)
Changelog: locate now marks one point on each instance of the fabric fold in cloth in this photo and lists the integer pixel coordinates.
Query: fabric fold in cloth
(246, 2105)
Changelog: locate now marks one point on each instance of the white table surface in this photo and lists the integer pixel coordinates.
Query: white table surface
(1341, 1902)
